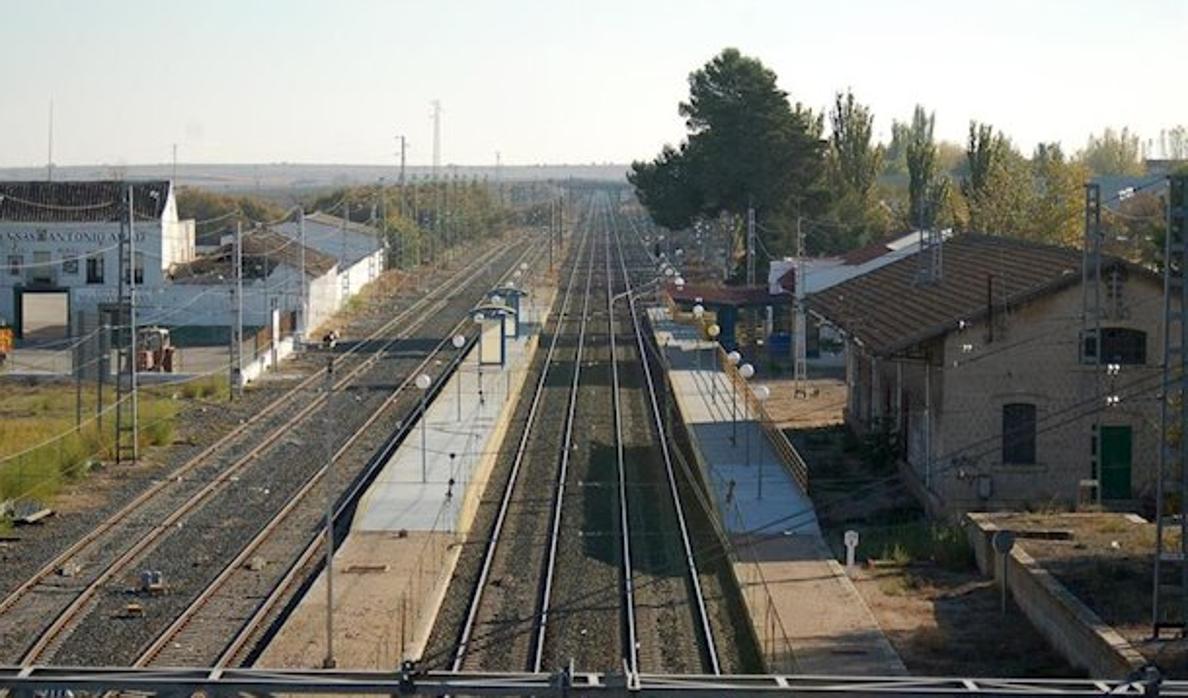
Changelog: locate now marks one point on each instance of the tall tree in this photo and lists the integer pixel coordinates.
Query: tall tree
(926, 190)
(854, 164)
(746, 146)
(985, 155)
(1114, 153)
(854, 161)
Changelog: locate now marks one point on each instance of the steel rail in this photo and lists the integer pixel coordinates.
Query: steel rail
(313, 547)
(50, 568)
(631, 645)
(546, 592)
(658, 422)
(505, 500)
(78, 605)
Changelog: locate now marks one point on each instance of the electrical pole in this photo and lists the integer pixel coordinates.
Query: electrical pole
(1091, 313)
(237, 329)
(127, 407)
(329, 661)
(49, 161)
(800, 341)
(304, 327)
(174, 178)
(436, 136)
(750, 246)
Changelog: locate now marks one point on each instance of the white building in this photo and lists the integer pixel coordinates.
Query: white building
(358, 249)
(61, 258)
(61, 248)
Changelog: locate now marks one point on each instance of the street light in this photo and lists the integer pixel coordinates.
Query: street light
(459, 342)
(761, 394)
(733, 358)
(713, 331)
(698, 312)
(478, 319)
(423, 383)
(746, 371)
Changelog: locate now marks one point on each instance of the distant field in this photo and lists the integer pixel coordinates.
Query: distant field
(269, 177)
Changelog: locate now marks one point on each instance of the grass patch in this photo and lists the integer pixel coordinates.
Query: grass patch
(912, 542)
(45, 413)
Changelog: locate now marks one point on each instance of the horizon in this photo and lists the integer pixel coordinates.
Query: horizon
(516, 78)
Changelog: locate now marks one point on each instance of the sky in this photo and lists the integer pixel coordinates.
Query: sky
(552, 81)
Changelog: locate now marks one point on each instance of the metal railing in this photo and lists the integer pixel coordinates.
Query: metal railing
(783, 447)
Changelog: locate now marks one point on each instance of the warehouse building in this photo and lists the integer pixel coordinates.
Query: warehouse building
(61, 259)
(61, 249)
(357, 248)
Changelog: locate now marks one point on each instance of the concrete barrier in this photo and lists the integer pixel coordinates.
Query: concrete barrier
(1071, 627)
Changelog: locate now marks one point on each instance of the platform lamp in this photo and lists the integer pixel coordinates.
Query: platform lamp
(746, 371)
(423, 383)
(459, 341)
(733, 358)
(478, 320)
(698, 312)
(761, 394)
(713, 331)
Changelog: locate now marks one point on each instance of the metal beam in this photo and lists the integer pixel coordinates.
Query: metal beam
(170, 682)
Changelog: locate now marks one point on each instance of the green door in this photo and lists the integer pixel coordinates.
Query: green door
(1115, 462)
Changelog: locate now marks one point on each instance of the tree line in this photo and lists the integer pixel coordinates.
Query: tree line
(748, 145)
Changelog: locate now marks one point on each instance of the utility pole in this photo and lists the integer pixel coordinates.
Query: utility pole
(237, 330)
(1091, 315)
(127, 407)
(329, 661)
(436, 136)
(750, 245)
(304, 326)
(174, 177)
(49, 161)
(800, 341)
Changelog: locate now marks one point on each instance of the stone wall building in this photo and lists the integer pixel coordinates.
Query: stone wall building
(987, 380)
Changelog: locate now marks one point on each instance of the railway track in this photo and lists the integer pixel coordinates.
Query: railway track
(588, 556)
(199, 635)
(162, 512)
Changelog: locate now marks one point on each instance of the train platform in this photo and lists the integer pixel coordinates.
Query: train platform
(394, 566)
(806, 613)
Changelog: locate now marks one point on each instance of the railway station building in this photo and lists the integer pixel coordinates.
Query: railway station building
(986, 381)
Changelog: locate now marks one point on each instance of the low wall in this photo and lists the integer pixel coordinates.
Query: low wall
(268, 357)
(1071, 627)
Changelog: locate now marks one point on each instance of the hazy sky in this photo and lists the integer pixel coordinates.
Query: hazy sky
(551, 80)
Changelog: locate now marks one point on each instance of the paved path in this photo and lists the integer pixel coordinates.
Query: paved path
(800, 599)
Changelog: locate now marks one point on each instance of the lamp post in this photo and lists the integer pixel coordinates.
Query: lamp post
(733, 358)
(698, 311)
(761, 394)
(459, 341)
(713, 331)
(478, 319)
(423, 383)
(746, 371)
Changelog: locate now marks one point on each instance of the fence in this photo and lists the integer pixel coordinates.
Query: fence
(788, 455)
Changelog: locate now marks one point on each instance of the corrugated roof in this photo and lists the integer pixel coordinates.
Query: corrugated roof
(889, 310)
(260, 245)
(80, 201)
(326, 233)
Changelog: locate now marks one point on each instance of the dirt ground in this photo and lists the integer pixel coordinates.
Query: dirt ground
(940, 614)
(1106, 561)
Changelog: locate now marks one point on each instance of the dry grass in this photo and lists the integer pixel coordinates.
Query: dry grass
(45, 413)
